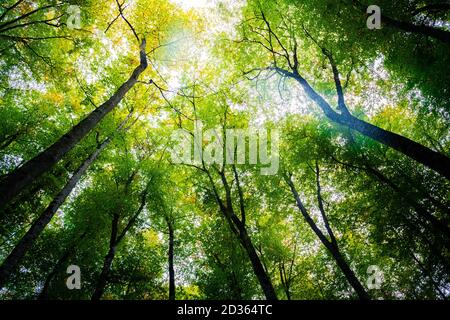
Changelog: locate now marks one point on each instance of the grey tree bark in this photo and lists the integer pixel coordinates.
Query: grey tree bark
(20, 178)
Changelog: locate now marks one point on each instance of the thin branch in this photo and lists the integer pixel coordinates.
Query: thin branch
(10, 8)
(126, 20)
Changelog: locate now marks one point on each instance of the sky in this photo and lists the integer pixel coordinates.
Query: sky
(188, 4)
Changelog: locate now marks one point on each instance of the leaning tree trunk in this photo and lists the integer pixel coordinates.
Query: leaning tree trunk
(103, 279)
(432, 159)
(238, 227)
(19, 251)
(43, 295)
(331, 246)
(114, 241)
(20, 178)
(424, 30)
(258, 269)
(348, 272)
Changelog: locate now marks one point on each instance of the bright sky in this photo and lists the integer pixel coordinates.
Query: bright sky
(188, 4)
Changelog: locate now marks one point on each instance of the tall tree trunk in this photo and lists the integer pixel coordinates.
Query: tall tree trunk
(423, 213)
(233, 283)
(239, 229)
(115, 240)
(235, 287)
(103, 279)
(43, 295)
(348, 272)
(432, 159)
(330, 245)
(284, 280)
(431, 32)
(19, 251)
(171, 268)
(107, 262)
(424, 30)
(20, 178)
(258, 269)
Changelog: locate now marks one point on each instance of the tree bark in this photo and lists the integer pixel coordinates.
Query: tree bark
(114, 241)
(103, 279)
(331, 246)
(19, 251)
(239, 229)
(285, 281)
(107, 262)
(9, 140)
(423, 213)
(43, 295)
(171, 268)
(412, 201)
(20, 178)
(258, 269)
(432, 159)
(424, 30)
(431, 32)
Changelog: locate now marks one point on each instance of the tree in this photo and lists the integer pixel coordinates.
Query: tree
(17, 180)
(285, 61)
(259, 150)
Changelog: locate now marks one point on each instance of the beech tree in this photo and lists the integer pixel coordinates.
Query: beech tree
(239, 150)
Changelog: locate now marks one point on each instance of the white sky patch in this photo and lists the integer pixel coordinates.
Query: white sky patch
(22, 79)
(273, 101)
(373, 99)
(113, 51)
(9, 162)
(189, 4)
(155, 120)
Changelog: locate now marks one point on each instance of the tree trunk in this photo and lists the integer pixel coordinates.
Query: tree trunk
(171, 268)
(19, 251)
(43, 295)
(437, 224)
(115, 240)
(331, 246)
(284, 281)
(9, 140)
(20, 178)
(432, 159)
(107, 262)
(238, 227)
(428, 31)
(235, 287)
(412, 201)
(101, 283)
(348, 272)
(431, 32)
(258, 269)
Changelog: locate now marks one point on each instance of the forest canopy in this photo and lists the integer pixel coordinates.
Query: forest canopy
(224, 149)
